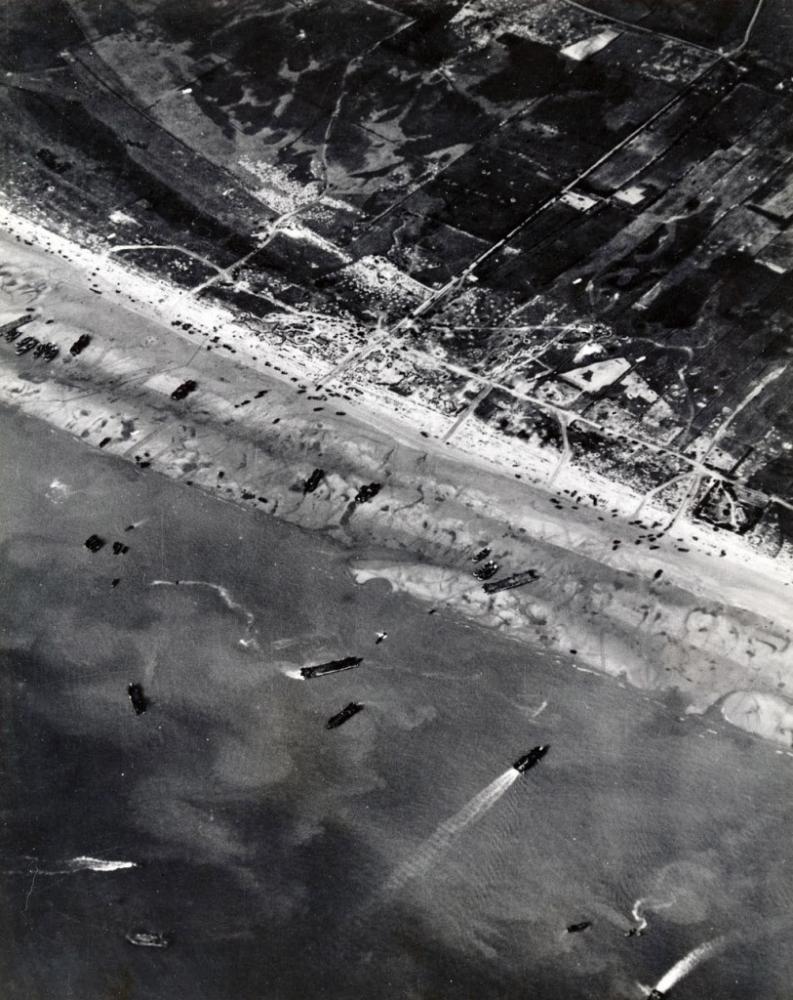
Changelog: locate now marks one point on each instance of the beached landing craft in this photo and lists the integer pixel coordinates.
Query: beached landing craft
(528, 760)
(511, 582)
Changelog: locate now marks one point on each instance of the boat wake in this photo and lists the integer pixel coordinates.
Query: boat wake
(431, 849)
(222, 593)
(762, 928)
(539, 710)
(686, 965)
(82, 863)
(638, 913)
(85, 863)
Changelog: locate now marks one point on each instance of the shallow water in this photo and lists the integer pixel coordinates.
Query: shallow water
(264, 842)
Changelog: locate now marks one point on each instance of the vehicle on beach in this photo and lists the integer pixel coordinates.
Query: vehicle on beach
(184, 390)
(486, 570)
(26, 344)
(367, 492)
(313, 480)
(80, 344)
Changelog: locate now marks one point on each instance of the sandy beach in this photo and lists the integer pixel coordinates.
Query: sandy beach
(687, 609)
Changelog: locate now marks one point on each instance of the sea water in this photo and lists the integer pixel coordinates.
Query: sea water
(259, 838)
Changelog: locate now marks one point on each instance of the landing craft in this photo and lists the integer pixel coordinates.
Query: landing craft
(528, 760)
(510, 582)
(485, 570)
(346, 713)
(138, 698)
(332, 667)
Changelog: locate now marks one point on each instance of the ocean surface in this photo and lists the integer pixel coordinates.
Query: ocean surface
(393, 857)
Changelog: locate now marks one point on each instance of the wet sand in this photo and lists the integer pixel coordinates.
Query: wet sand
(697, 613)
(263, 841)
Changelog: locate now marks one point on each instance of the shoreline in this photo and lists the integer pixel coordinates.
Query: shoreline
(708, 636)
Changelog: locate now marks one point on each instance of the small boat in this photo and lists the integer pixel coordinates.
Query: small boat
(530, 759)
(148, 939)
(138, 698)
(346, 713)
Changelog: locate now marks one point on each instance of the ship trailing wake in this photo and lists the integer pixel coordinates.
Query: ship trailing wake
(80, 864)
(431, 849)
(688, 963)
(85, 863)
(703, 952)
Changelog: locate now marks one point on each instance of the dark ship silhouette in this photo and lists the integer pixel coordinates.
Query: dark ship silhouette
(332, 667)
(530, 759)
(346, 713)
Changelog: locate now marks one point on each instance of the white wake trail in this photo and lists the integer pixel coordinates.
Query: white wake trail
(85, 863)
(428, 853)
(80, 864)
(687, 964)
(646, 904)
(293, 672)
(219, 589)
